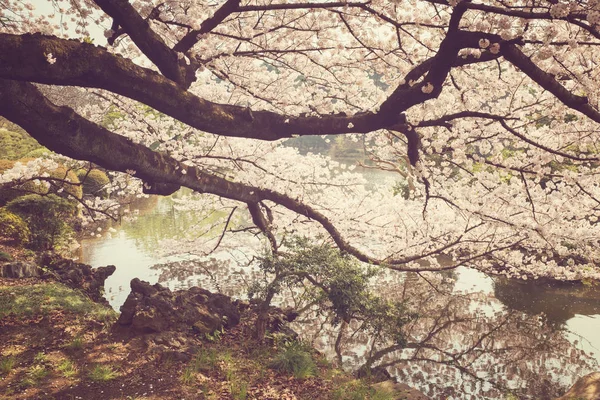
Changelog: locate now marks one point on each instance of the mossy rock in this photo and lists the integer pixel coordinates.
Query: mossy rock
(13, 227)
(94, 182)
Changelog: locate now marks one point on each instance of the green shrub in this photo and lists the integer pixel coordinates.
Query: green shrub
(13, 227)
(67, 369)
(102, 373)
(5, 256)
(294, 359)
(14, 145)
(71, 185)
(68, 175)
(47, 217)
(9, 194)
(94, 182)
(42, 152)
(6, 365)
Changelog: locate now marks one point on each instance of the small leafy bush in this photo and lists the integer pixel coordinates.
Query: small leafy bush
(13, 227)
(66, 182)
(10, 193)
(294, 359)
(103, 373)
(94, 182)
(14, 145)
(67, 368)
(61, 181)
(6, 365)
(5, 256)
(47, 217)
(39, 153)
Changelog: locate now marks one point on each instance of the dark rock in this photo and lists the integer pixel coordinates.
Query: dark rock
(76, 275)
(154, 308)
(399, 391)
(375, 375)
(19, 269)
(586, 388)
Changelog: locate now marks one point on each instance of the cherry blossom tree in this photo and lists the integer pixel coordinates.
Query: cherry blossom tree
(487, 110)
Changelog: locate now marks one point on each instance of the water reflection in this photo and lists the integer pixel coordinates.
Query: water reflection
(476, 337)
(559, 301)
(466, 344)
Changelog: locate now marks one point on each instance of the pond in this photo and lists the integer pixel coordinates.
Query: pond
(477, 337)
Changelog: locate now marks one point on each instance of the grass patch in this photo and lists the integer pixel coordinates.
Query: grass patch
(188, 376)
(40, 358)
(102, 373)
(67, 368)
(75, 344)
(294, 359)
(239, 389)
(5, 256)
(45, 297)
(34, 375)
(205, 360)
(6, 365)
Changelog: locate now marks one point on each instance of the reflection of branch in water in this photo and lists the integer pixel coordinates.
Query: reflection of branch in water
(466, 344)
(212, 268)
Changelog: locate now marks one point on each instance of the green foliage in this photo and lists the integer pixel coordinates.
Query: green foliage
(14, 145)
(6, 365)
(61, 181)
(45, 297)
(47, 217)
(294, 359)
(214, 336)
(75, 344)
(205, 360)
(339, 278)
(239, 389)
(188, 376)
(5, 256)
(67, 368)
(8, 194)
(42, 152)
(66, 181)
(94, 182)
(401, 188)
(102, 373)
(338, 283)
(40, 357)
(112, 117)
(13, 227)
(34, 375)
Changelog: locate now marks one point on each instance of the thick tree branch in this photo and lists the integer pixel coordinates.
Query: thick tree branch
(191, 38)
(547, 81)
(22, 57)
(147, 40)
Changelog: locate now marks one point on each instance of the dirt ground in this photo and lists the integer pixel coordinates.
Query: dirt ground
(68, 353)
